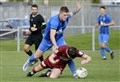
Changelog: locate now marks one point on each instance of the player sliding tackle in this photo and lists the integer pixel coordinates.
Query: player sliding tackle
(58, 61)
(53, 36)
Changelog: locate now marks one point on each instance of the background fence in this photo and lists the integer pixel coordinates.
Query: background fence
(70, 31)
(86, 17)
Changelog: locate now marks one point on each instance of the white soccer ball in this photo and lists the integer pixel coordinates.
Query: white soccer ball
(82, 72)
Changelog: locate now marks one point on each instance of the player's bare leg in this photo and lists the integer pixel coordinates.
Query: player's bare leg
(38, 54)
(35, 70)
(32, 58)
(55, 73)
(103, 45)
(29, 52)
(27, 49)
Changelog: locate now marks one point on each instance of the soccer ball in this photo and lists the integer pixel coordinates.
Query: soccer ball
(82, 72)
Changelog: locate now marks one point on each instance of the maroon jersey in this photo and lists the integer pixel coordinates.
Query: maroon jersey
(61, 54)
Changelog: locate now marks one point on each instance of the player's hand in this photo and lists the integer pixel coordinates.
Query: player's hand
(33, 29)
(97, 25)
(78, 5)
(27, 32)
(55, 49)
(86, 60)
(104, 24)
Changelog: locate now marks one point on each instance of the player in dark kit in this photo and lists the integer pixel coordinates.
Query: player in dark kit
(58, 61)
(37, 24)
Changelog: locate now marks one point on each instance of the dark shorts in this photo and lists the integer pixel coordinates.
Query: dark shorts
(32, 39)
(47, 64)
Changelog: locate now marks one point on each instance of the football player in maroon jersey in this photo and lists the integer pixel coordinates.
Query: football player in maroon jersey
(58, 61)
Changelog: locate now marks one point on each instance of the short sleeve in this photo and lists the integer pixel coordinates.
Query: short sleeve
(109, 19)
(80, 53)
(98, 20)
(54, 24)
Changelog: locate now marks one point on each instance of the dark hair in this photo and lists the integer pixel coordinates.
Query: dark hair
(103, 7)
(72, 52)
(64, 9)
(34, 5)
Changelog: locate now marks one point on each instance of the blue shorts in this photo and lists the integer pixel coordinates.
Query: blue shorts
(46, 45)
(103, 38)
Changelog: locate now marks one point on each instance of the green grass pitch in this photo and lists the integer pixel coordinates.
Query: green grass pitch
(98, 70)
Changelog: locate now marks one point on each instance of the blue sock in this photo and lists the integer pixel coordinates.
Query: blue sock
(31, 58)
(107, 49)
(72, 66)
(102, 52)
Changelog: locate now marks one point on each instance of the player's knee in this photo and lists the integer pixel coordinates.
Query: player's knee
(38, 54)
(103, 46)
(26, 49)
(38, 68)
(100, 46)
(53, 76)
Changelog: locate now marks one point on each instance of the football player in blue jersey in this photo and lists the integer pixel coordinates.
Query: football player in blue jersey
(53, 36)
(104, 21)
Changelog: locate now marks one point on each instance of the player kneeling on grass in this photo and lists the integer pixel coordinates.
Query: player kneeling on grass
(58, 61)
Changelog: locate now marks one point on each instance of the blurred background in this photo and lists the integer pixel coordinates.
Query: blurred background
(48, 8)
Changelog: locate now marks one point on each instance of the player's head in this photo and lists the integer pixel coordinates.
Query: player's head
(102, 10)
(34, 9)
(63, 14)
(72, 52)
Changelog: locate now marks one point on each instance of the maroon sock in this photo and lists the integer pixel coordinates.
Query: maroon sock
(33, 70)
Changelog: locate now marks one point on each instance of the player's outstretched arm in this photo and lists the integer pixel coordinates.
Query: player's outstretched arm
(86, 59)
(78, 7)
(52, 37)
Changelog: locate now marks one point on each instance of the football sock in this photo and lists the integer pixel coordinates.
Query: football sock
(107, 49)
(31, 58)
(72, 66)
(102, 52)
(29, 52)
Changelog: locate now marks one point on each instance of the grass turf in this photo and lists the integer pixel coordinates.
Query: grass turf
(98, 70)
